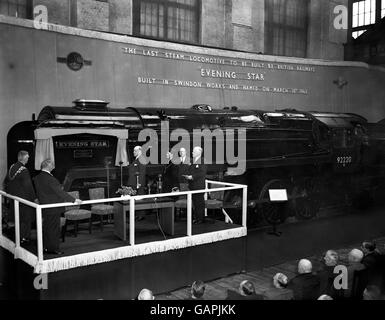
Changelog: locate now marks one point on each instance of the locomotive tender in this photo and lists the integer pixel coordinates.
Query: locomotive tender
(313, 155)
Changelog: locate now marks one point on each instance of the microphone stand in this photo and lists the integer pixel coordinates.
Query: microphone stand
(121, 173)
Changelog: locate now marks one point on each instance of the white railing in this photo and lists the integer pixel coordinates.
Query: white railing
(21, 252)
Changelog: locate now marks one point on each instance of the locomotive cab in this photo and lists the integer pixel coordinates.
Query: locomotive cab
(347, 137)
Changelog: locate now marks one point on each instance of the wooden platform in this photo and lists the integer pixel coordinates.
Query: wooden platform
(122, 277)
(147, 230)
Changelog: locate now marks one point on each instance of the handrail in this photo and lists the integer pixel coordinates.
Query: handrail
(125, 198)
(132, 199)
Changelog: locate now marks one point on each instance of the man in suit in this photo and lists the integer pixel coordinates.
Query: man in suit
(174, 173)
(49, 191)
(354, 257)
(183, 169)
(170, 175)
(198, 289)
(20, 185)
(326, 275)
(196, 178)
(137, 172)
(305, 285)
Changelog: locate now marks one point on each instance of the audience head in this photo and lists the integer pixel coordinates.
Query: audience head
(325, 297)
(331, 258)
(280, 281)
(304, 266)
(47, 165)
(368, 247)
(246, 288)
(372, 292)
(146, 294)
(355, 256)
(198, 289)
(22, 156)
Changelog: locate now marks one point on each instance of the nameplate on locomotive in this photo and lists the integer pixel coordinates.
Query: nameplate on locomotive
(82, 144)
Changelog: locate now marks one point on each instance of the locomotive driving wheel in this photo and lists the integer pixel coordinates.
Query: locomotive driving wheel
(306, 202)
(272, 211)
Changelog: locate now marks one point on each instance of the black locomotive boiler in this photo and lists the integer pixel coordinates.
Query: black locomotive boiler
(314, 156)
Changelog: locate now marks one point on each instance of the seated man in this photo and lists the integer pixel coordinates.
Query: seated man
(198, 290)
(355, 257)
(373, 292)
(371, 261)
(246, 291)
(280, 281)
(305, 285)
(146, 294)
(370, 254)
(326, 274)
(325, 297)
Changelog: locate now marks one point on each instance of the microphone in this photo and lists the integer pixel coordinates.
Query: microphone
(137, 181)
(160, 187)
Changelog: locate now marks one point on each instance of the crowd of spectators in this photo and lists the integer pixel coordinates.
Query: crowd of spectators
(364, 279)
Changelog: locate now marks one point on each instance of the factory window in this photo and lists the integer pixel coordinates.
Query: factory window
(16, 8)
(364, 14)
(172, 20)
(286, 27)
(383, 9)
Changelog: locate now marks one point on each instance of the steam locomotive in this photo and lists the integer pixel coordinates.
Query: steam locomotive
(313, 155)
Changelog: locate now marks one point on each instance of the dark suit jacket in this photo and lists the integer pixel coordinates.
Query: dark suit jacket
(170, 177)
(233, 295)
(305, 286)
(326, 275)
(49, 190)
(136, 168)
(20, 183)
(370, 260)
(184, 169)
(198, 173)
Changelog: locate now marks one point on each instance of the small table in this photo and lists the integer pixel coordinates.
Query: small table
(166, 206)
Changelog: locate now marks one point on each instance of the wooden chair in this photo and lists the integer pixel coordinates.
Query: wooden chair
(75, 214)
(215, 199)
(100, 209)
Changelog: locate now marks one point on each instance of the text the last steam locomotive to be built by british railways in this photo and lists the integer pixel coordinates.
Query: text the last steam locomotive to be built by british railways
(253, 79)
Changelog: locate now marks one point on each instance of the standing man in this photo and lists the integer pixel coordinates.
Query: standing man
(20, 185)
(196, 179)
(183, 169)
(170, 175)
(137, 172)
(49, 191)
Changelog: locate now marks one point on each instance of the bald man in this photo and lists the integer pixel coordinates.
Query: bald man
(196, 179)
(137, 172)
(355, 257)
(305, 285)
(146, 294)
(183, 169)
